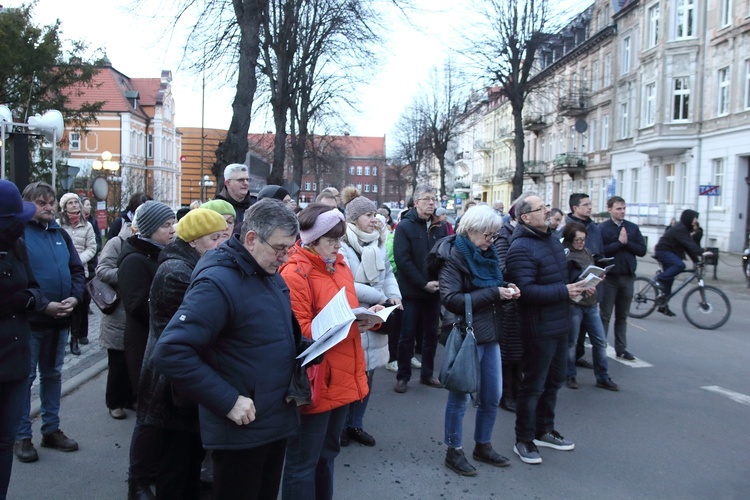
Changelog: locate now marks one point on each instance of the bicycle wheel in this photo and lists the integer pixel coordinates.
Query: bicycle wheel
(644, 298)
(706, 308)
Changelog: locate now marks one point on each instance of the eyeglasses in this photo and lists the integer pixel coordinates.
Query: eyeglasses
(535, 210)
(579, 240)
(491, 237)
(241, 179)
(428, 200)
(281, 251)
(333, 241)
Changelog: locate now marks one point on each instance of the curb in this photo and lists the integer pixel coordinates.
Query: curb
(72, 384)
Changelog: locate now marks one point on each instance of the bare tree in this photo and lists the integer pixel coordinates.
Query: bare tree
(325, 157)
(412, 144)
(399, 175)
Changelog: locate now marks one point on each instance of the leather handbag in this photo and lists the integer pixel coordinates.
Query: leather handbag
(104, 296)
(460, 370)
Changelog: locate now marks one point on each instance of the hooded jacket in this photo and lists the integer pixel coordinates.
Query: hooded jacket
(677, 239)
(233, 335)
(340, 378)
(411, 246)
(536, 264)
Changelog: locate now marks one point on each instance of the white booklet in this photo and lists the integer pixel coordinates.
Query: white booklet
(596, 271)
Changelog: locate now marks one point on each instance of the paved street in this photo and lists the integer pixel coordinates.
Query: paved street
(677, 429)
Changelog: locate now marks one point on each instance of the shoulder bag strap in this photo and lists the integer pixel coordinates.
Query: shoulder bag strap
(468, 313)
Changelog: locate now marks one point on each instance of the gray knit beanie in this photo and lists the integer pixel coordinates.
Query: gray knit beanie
(358, 207)
(150, 216)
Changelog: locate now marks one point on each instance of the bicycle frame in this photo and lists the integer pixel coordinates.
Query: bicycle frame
(696, 273)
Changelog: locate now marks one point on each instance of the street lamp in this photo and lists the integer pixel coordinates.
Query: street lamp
(110, 168)
(206, 183)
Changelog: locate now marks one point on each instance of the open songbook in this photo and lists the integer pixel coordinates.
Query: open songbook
(592, 276)
(333, 322)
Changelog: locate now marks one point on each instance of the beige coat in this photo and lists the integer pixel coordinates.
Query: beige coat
(83, 239)
(112, 331)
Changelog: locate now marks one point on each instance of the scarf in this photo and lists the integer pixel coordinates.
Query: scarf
(484, 266)
(155, 243)
(329, 262)
(367, 246)
(74, 218)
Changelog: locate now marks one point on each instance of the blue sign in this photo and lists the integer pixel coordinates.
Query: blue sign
(709, 190)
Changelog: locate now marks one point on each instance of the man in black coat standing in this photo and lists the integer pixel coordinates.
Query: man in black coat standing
(623, 241)
(536, 264)
(415, 236)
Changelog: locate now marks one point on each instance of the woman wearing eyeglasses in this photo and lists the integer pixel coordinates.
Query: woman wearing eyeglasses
(468, 263)
(315, 273)
(584, 311)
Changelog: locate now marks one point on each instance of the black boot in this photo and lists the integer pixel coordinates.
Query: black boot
(139, 491)
(75, 350)
(484, 453)
(456, 461)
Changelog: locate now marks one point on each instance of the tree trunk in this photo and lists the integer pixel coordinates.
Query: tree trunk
(517, 108)
(441, 164)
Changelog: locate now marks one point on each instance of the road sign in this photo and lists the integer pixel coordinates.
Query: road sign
(709, 190)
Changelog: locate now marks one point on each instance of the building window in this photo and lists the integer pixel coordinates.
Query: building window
(592, 136)
(681, 99)
(359, 170)
(726, 13)
(650, 112)
(595, 76)
(747, 84)
(607, 71)
(359, 186)
(685, 25)
(655, 182)
(367, 187)
(634, 174)
(150, 146)
(717, 175)
(374, 187)
(620, 185)
(625, 67)
(683, 182)
(605, 132)
(307, 186)
(374, 171)
(351, 170)
(367, 170)
(75, 141)
(669, 177)
(653, 26)
(723, 96)
(624, 120)
(315, 186)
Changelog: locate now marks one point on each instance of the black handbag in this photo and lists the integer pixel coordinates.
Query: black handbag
(460, 370)
(104, 296)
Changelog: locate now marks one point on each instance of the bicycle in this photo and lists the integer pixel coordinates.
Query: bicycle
(705, 307)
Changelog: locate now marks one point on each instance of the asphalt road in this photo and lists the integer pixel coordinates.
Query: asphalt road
(678, 428)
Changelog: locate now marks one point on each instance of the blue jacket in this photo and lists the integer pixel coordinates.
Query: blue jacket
(593, 235)
(57, 269)
(536, 264)
(233, 336)
(625, 255)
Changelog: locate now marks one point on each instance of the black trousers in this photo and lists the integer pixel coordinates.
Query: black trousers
(249, 474)
(420, 315)
(79, 319)
(118, 393)
(178, 476)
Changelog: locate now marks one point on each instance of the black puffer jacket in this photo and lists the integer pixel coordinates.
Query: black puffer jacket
(455, 281)
(158, 404)
(536, 264)
(411, 245)
(511, 346)
(677, 239)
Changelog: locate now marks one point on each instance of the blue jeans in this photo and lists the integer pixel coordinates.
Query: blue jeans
(589, 317)
(48, 353)
(357, 408)
(672, 265)
(490, 390)
(310, 455)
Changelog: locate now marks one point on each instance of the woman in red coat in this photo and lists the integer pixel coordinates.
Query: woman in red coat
(315, 273)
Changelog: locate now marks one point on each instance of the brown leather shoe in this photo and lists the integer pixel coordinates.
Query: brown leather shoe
(59, 441)
(401, 386)
(432, 382)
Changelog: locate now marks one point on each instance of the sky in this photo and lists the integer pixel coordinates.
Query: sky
(142, 47)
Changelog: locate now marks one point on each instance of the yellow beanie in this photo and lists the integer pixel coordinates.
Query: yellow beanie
(199, 222)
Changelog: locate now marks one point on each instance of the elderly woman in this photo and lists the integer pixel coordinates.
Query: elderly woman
(584, 312)
(315, 273)
(227, 211)
(81, 232)
(21, 294)
(174, 419)
(468, 263)
(364, 252)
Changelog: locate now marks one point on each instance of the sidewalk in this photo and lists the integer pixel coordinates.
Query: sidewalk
(729, 275)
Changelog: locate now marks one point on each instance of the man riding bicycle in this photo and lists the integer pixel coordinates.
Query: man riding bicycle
(670, 252)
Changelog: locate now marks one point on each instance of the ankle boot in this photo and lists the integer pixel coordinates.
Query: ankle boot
(75, 350)
(456, 461)
(484, 453)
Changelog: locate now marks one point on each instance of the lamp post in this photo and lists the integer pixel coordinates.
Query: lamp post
(206, 183)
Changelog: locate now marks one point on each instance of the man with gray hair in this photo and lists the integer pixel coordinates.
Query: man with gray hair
(231, 348)
(415, 236)
(236, 191)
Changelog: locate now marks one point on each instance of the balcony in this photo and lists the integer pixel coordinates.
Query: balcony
(487, 179)
(506, 135)
(482, 147)
(534, 123)
(575, 103)
(534, 170)
(571, 163)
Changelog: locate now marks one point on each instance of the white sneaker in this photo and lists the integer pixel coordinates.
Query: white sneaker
(415, 363)
(392, 366)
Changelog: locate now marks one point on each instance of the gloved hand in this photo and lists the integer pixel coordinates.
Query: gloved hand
(15, 302)
(304, 343)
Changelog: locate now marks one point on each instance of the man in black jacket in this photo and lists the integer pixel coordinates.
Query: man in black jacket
(415, 236)
(623, 241)
(670, 251)
(536, 264)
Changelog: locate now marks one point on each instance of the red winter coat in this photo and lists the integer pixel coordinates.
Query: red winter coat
(340, 378)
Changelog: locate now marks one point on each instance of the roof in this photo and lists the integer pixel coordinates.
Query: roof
(355, 146)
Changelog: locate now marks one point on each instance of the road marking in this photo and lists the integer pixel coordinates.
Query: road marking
(638, 363)
(734, 396)
(637, 326)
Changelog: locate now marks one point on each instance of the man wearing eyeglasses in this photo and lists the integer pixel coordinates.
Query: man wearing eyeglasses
(415, 236)
(236, 191)
(536, 263)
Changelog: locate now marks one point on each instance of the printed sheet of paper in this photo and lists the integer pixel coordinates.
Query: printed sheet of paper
(329, 327)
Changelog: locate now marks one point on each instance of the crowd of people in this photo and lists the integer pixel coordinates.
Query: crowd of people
(217, 301)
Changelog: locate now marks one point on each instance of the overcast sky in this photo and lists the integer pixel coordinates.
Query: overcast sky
(141, 48)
